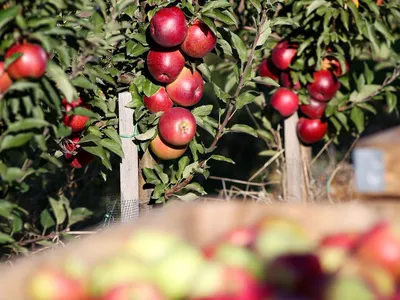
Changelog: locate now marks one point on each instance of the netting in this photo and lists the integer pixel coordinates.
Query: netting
(119, 210)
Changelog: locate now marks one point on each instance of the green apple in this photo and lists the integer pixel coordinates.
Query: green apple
(149, 245)
(349, 287)
(278, 236)
(117, 271)
(175, 273)
(209, 280)
(49, 283)
(239, 257)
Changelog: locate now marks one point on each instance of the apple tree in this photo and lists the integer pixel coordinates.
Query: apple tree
(58, 120)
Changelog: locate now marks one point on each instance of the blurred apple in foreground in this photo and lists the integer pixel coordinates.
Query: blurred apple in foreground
(278, 236)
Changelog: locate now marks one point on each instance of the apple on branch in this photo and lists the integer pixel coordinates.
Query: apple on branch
(168, 27)
(31, 64)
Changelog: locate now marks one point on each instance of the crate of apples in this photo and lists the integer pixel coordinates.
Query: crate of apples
(222, 252)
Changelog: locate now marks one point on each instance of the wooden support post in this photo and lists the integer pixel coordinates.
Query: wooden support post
(129, 167)
(293, 160)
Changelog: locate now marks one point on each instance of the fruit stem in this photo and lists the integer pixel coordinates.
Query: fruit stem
(231, 107)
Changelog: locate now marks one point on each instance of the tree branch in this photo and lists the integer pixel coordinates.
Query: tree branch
(231, 107)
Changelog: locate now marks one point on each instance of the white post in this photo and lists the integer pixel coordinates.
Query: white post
(129, 167)
(293, 160)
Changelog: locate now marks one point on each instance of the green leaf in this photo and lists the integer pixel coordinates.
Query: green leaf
(99, 152)
(182, 164)
(344, 16)
(112, 146)
(245, 98)
(79, 214)
(384, 30)
(188, 197)
(240, 47)
(244, 129)
(9, 14)
(357, 116)
(82, 82)
(268, 153)
(135, 49)
(205, 70)
(189, 169)
(17, 224)
(15, 141)
(221, 158)
(58, 75)
(163, 176)
(315, 4)
(150, 176)
(5, 238)
(194, 186)
(366, 91)
(265, 33)
(257, 5)
(112, 134)
(266, 81)
(391, 101)
(150, 88)
(58, 210)
(46, 220)
(149, 134)
(215, 4)
(203, 110)
(26, 124)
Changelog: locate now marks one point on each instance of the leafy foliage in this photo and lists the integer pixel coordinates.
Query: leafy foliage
(98, 48)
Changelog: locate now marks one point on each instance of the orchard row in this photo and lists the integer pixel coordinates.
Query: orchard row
(311, 127)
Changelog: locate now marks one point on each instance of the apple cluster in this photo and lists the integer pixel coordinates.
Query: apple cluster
(311, 126)
(175, 44)
(29, 62)
(274, 258)
(73, 153)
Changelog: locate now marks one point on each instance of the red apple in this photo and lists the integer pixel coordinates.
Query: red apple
(136, 290)
(332, 64)
(76, 122)
(52, 284)
(310, 131)
(314, 110)
(242, 236)
(165, 64)
(324, 86)
(165, 151)
(381, 246)
(283, 54)
(187, 89)
(168, 27)
(297, 275)
(379, 2)
(32, 63)
(287, 82)
(268, 69)
(285, 102)
(177, 126)
(199, 41)
(81, 158)
(227, 283)
(5, 80)
(160, 101)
